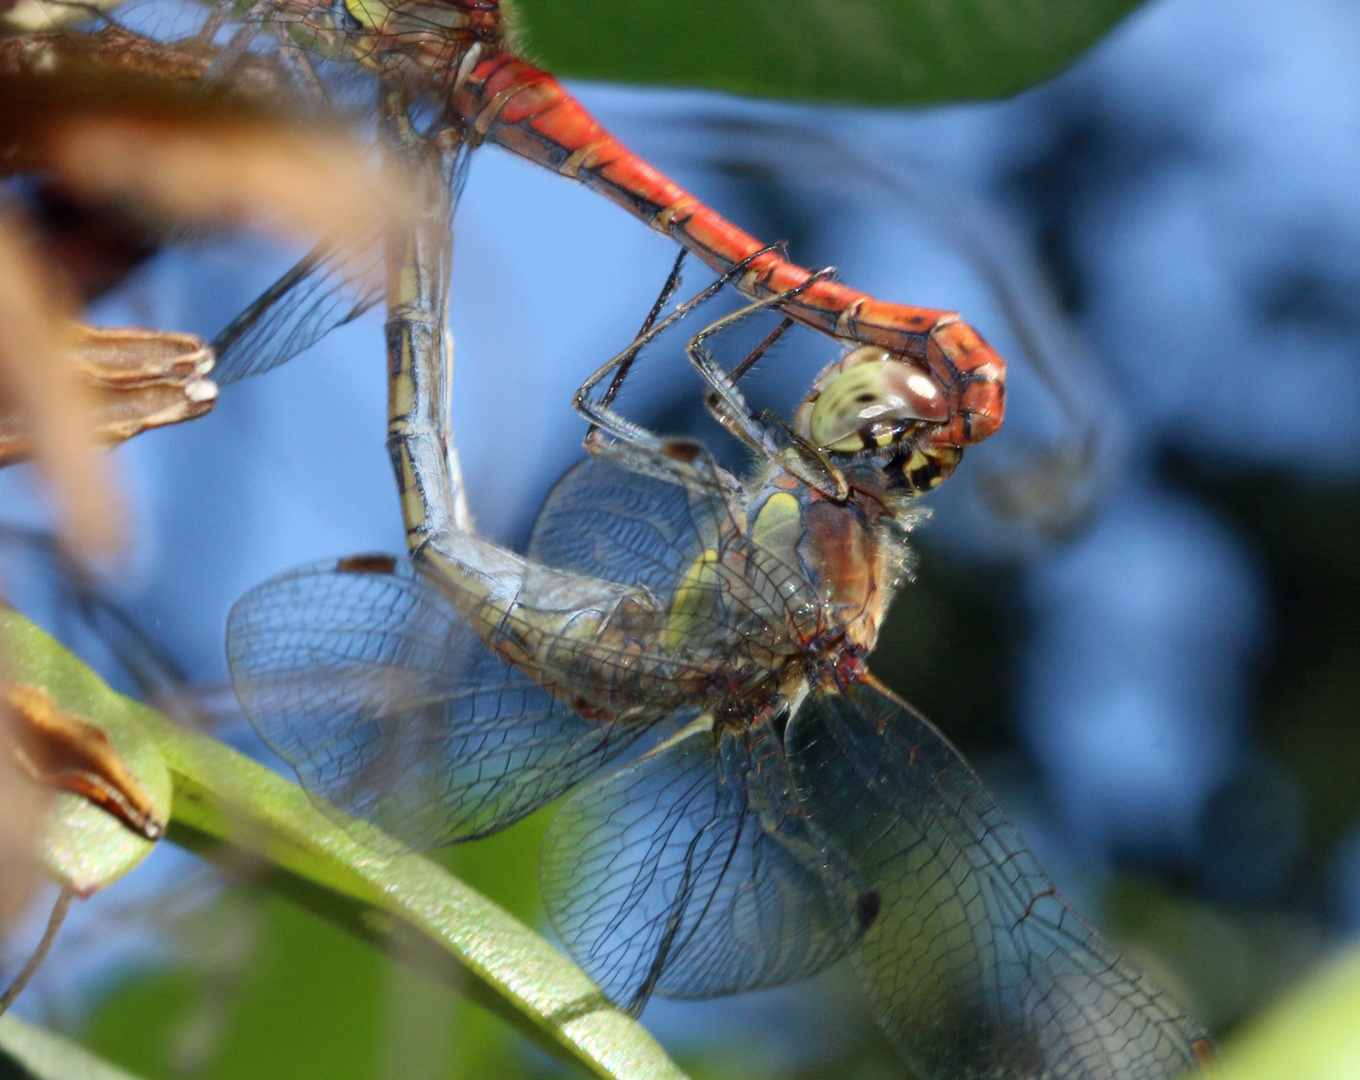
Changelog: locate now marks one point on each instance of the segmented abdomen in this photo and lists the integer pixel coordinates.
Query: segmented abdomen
(528, 111)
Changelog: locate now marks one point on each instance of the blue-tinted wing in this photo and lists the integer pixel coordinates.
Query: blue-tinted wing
(603, 520)
(690, 873)
(360, 675)
(322, 292)
(318, 295)
(975, 966)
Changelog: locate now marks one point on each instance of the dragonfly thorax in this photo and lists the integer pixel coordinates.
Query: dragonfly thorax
(834, 565)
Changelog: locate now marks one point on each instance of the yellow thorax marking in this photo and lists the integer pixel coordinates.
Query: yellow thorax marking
(779, 527)
(697, 726)
(369, 13)
(779, 524)
(695, 600)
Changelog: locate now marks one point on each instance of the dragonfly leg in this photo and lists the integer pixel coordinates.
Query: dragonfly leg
(216, 19)
(600, 412)
(294, 58)
(725, 401)
(614, 436)
(729, 407)
(668, 290)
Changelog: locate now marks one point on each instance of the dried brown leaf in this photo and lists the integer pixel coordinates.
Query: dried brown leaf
(136, 380)
(79, 56)
(65, 752)
(112, 115)
(24, 16)
(216, 172)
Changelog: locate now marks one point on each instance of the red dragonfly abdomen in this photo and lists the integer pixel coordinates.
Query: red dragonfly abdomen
(529, 112)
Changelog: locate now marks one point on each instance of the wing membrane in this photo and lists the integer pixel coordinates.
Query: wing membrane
(975, 966)
(603, 520)
(690, 873)
(361, 676)
(317, 295)
(725, 597)
(323, 291)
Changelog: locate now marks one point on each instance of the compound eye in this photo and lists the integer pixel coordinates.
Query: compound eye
(879, 396)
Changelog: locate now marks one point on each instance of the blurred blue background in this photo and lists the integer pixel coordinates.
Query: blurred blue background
(1137, 604)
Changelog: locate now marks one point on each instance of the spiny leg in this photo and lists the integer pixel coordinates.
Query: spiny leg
(727, 402)
(240, 41)
(295, 59)
(601, 414)
(668, 290)
(216, 19)
(292, 57)
(729, 407)
(755, 355)
(631, 445)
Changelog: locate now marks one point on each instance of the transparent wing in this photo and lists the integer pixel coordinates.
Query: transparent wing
(690, 873)
(976, 967)
(603, 520)
(723, 595)
(322, 292)
(359, 674)
(314, 297)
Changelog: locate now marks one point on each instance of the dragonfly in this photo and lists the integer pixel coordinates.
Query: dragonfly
(454, 55)
(682, 653)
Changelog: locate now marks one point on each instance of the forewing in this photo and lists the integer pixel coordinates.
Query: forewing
(360, 675)
(975, 966)
(723, 596)
(689, 873)
(603, 520)
(326, 289)
(317, 295)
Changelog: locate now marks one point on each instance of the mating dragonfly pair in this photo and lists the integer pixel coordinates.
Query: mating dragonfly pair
(789, 811)
(682, 652)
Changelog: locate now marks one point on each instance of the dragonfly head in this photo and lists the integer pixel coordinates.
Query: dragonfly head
(869, 412)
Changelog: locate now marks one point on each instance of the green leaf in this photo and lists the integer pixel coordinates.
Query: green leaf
(259, 989)
(45, 1056)
(881, 52)
(444, 927)
(225, 803)
(83, 845)
(1313, 1034)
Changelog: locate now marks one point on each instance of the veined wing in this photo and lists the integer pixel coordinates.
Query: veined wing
(325, 290)
(319, 294)
(722, 593)
(360, 675)
(603, 520)
(976, 967)
(691, 873)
